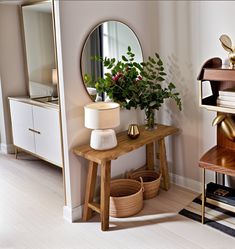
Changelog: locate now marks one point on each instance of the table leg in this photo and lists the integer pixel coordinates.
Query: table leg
(105, 194)
(150, 156)
(163, 164)
(90, 189)
(203, 196)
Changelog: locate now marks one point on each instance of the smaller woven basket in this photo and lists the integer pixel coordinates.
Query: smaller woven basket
(126, 197)
(151, 180)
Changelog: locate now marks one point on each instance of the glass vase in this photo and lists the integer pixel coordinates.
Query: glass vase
(150, 119)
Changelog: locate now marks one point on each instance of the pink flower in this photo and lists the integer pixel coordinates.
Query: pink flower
(139, 77)
(117, 76)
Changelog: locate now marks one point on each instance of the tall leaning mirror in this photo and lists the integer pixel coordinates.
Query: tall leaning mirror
(108, 39)
(38, 27)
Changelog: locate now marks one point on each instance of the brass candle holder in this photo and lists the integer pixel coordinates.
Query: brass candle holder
(133, 131)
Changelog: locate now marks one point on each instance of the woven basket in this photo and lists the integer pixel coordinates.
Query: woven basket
(151, 181)
(126, 197)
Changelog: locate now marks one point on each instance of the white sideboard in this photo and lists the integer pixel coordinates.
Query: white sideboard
(36, 128)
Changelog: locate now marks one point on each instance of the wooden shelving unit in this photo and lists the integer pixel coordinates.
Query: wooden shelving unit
(220, 77)
(220, 158)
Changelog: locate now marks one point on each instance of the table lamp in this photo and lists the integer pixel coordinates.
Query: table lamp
(102, 117)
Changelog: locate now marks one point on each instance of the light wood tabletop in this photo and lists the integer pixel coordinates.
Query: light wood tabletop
(125, 144)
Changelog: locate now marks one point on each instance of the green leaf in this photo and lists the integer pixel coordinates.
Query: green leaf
(157, 55)
(124, 58)
(160, 78)
(152, 60)
(162, 73)
(171, 86)
(160, 63)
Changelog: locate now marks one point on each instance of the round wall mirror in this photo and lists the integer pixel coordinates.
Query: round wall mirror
(109, 39)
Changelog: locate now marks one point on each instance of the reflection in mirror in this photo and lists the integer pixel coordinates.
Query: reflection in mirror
(40, 50)
(109, 39)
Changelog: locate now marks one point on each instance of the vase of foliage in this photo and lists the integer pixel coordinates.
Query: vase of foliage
(149, 118)
(134, 84)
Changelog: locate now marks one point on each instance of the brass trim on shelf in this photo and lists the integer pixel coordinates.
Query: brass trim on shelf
(220, 204)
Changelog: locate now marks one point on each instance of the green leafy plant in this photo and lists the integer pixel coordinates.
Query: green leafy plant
(121, 84)
(133, 84)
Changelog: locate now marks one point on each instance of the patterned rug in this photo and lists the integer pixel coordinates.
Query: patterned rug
(215, 217)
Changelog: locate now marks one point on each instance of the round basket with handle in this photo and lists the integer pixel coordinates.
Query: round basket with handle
(151, 180)
(126, 197)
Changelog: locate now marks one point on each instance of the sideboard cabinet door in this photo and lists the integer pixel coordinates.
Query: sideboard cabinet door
(22, 123)
(47, 140)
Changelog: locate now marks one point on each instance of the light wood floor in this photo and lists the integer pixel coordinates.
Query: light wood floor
(31, 201)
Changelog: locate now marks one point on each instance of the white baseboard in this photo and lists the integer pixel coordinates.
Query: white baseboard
(7, 148)
(72, 214)
(186, 183)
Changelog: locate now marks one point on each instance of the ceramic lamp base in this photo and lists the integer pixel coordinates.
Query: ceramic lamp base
(103, 139)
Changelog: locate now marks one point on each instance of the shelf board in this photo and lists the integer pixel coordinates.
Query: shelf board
(218, 74)
(219, 159)
(219, 108)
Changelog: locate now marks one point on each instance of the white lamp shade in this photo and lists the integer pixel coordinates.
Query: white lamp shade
(101, 115)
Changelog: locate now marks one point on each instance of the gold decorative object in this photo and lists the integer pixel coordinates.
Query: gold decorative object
(133, 131)
(226, 43)
(227, 125)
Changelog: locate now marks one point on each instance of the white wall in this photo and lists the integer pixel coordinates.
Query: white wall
(185, 33)
(12, 76)
(77, 18)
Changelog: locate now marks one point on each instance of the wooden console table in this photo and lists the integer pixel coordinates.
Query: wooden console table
(104, 158)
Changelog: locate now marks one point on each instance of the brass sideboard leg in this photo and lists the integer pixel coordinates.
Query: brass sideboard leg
(163, 164)
(90, 189)
(105, 194)
(203, 196)
(16, 152)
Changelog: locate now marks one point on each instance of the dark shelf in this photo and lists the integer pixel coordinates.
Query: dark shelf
(219, 159)
(218, 74)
